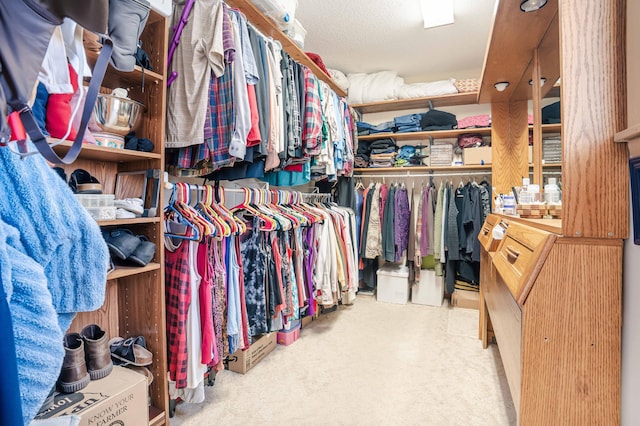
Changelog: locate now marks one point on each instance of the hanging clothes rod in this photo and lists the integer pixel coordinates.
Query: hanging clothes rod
(412, 175)
(194, 187)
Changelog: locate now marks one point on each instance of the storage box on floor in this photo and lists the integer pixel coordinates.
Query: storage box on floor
(429, 290)
(465, 299)
(242, 361)
(118, 399)
(290, 334)
(393, 284)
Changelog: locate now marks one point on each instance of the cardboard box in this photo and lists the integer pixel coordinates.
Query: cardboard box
(305, 321)
(430, 289)
(465, 299)
(118, 399)
(477, 155)
(243, 361)
(393, 284)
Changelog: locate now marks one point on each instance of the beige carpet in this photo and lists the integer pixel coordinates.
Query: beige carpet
(370, 363)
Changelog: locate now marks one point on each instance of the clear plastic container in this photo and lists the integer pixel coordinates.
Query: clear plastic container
(276, 11)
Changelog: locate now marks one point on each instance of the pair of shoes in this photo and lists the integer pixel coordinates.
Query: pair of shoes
(124, 245)
(87, 357)
(134, 205)
(81, 182)
(137, 144)
(124, 214)
(131, 351)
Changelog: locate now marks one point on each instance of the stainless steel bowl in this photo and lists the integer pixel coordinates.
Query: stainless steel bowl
(117, 115)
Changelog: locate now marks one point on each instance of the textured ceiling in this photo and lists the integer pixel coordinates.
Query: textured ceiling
(375, 35)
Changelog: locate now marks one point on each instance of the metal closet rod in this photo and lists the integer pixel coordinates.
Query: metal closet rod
(412, 175)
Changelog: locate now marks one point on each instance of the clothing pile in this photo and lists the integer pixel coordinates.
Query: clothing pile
(431, 120)
(380, 152)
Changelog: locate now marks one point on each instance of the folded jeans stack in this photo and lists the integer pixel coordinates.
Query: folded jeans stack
(371, 129)
(408, 123)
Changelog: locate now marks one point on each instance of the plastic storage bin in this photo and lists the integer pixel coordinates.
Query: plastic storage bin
(99, 206)
(287, 337)
(393, 284)
(430, 289)
(297, 33)
(276, 11)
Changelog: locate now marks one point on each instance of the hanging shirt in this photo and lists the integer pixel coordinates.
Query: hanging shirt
(199, 53)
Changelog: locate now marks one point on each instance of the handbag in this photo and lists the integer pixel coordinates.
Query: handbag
(26, 26)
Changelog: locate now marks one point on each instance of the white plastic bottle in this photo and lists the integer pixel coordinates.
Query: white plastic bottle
(551, 192)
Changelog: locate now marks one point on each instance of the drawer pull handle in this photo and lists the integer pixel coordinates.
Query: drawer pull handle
(485, 230)
(512, 254)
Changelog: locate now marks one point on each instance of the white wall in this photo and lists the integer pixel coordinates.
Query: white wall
(631, 281)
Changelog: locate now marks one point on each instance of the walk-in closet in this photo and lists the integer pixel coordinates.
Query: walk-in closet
(287, 211)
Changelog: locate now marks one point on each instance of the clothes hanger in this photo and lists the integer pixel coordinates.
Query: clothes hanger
(188, 212)
(205, 208)
(172, 214)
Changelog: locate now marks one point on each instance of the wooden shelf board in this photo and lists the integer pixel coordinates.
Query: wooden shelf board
(421, 168)
(416, 103)
(551, 165)
(136, 221)
(156, 416)
(270, 29)
(556, 127)
(509, 50)
(436, 134)
(100, 153)
(127, 271)
(115, 78)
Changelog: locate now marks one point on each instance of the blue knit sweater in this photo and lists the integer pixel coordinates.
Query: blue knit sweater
(58, 267)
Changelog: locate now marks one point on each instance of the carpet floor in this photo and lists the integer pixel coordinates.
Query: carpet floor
(371, 363)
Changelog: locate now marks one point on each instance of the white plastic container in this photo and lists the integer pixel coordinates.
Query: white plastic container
(276, 11)
(430, 289)
(551, 192)
(393, 284)
(509, 205)
(163, 7)
(99, 206)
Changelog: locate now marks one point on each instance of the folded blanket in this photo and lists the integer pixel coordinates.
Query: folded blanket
(379, 86)
(420, 90)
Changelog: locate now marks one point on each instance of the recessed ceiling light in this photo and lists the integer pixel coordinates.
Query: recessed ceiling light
(436, 13)
(532, 5)
(501, 86)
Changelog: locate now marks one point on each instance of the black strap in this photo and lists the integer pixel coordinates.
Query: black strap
(32, 128)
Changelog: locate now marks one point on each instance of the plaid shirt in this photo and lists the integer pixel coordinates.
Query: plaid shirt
(312, 131)
(177, 278)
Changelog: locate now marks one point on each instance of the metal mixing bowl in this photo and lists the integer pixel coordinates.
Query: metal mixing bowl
(117, 115)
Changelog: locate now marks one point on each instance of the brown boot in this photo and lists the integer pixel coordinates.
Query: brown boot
(97, 353)
(73, 375)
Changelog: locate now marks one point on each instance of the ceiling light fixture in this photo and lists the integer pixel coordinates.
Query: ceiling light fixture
(532, 5)
(436, 13)
(501, 86)
(543, 80)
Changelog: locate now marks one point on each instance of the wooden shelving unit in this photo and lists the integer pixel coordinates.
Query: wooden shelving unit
(135, 296)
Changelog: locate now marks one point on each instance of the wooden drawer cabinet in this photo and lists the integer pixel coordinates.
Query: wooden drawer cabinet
(486, 233)
(555, 311)
(522, 248)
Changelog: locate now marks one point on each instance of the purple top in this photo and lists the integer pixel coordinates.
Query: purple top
(401, 223)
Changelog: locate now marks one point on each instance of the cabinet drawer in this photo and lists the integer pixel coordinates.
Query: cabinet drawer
(485, 236)
(520, 256)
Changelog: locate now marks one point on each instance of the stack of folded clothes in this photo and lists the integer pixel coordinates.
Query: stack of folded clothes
(365, 129)
(404, 156)
(438, 120)
(408, 123)
(382, 152)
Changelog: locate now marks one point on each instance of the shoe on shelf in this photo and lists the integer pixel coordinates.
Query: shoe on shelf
(131, 351)
(134, 205)
(143, 254)
(73, 375)
(122, 243)
(124, 214)
(81, 182)
(97, 353)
